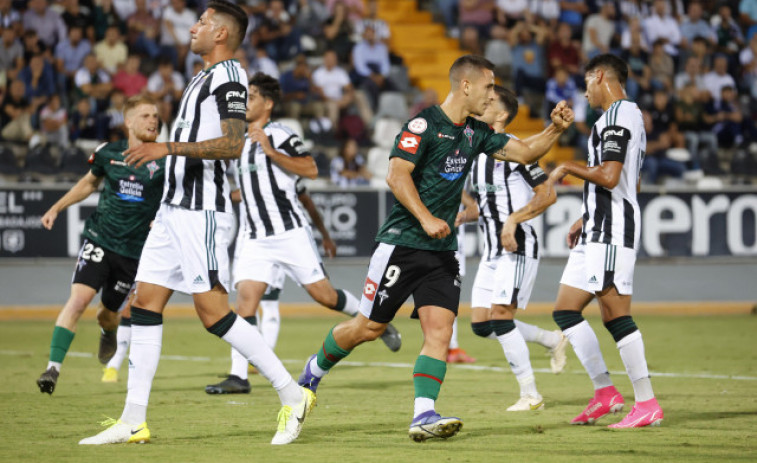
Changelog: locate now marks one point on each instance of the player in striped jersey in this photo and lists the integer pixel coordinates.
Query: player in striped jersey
(507, 196)
(604, 244)
(278, 236)
(186, 249)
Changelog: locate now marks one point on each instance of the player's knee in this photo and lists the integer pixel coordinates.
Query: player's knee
(502, 327)
(567, 318)
(621, 327)
(483, 329)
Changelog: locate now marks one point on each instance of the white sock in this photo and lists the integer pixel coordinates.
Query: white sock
(586, 346)
(532, 333)
(55, 365)
(351, 304)
(270, 322)
(123, 339)
(631, 350)
(315, 369)
(516, 353)
(246, 339)
(453, 344)
(239, 364)
(290, 394)
(146, 342)
(422, 405)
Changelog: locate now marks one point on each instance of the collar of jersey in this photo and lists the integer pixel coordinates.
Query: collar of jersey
(220, 62)
(446, 117)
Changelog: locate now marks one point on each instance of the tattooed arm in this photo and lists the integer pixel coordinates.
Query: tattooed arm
(227, 146)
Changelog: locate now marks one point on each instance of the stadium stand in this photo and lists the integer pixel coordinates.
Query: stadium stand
(702, 47)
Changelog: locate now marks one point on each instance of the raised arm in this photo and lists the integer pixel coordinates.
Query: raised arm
(544, 196)
(401, 183)
(533, 148)
(83, 188)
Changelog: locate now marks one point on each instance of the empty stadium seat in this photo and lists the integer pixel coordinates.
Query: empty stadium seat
(378, 165)
(385, 130)
(73, 161)
(392, 104)
(8, 164)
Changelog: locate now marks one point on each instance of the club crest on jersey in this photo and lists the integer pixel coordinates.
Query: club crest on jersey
(453, 166)
(468, 132)
(409, 142)
(152, 168)
(417, 125)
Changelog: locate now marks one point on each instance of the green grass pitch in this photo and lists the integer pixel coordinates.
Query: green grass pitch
(707, 385)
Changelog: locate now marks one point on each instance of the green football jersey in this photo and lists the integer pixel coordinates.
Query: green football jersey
(128, 201)
(442, 152)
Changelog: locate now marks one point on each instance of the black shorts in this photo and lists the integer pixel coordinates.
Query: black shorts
(397, 272)
(99, 268)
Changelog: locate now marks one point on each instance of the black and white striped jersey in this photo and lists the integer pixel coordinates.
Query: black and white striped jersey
(501, 188)
(612, 216)
(214, 94)
(269, 193)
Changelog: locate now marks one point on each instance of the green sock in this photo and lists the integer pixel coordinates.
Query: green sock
(62, 339)
(330, 353)
(428, 376)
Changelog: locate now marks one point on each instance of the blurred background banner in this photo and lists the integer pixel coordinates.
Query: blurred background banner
(674, 223)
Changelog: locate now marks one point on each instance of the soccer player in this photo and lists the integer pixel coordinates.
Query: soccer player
(604, 242)
(276, 235)
(415, 254)
(113, 235)
(507, 196)
(186, 249)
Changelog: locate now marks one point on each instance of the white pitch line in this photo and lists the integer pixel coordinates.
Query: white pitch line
(184, 358)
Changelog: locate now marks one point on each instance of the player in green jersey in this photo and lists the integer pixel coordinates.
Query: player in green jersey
(415, 252)
(113, 235)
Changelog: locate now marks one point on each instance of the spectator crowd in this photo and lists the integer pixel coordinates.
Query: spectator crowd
(68, 66)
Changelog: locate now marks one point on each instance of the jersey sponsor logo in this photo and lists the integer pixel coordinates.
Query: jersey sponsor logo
(409, 142)
(611, 145)
(535, 171)
(152, 168)
(251, 167)
(130, 189)
(417, 125)
(113, 162)
(297, 144)
(487, 188)
(468, 132)
(183, 124)
(444, 135)
(91, 159)
(236, 94)
(236, 106)
(453, 166)
(619, 132)
(369, 290)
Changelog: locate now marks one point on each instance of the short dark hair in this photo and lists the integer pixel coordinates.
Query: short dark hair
(611, 62)
(237, 15)
(468, 62)
(509, 101)
(267, 86)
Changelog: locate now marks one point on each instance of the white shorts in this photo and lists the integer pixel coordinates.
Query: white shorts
(593, 267)
(508, 279)
(293, 252)
(187, 251)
